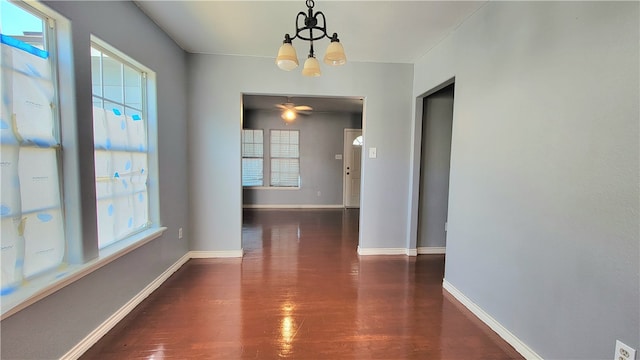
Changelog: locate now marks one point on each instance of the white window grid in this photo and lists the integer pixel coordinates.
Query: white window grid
(32, 216)
(285, 158)
(252, 157)
(121, 168)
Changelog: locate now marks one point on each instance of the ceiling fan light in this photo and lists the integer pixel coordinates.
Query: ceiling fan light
(287, 58)
(289, 115)
(311, 67)
(335, 54)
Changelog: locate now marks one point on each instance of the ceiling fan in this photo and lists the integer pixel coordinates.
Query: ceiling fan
(290, 111)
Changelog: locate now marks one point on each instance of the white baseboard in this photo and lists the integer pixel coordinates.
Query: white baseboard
(215, 254)
(114, 319)
(505, 334)
(287, 206)
(120, 314)
(401, 251)
(385, 251)
(431, 250)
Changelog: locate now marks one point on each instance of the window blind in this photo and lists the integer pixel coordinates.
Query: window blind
(252, 157)
(285, 158)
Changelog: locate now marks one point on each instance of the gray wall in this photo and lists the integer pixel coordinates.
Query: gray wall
(51, 327)
(434, 170)
(321, 138)
(543, 207)
(216, 85)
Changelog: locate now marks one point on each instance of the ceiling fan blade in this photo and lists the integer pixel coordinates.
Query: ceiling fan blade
(304, 112)
(303, 108)
(280, 106)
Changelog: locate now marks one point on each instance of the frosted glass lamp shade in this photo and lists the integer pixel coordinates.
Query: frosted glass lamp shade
(287, 58)
(335, 54)
(311, 67)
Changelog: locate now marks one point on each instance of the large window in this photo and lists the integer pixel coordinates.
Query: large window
(285, 158)
(120, 138)
(252, 157)
(33, 237)
(44, 245)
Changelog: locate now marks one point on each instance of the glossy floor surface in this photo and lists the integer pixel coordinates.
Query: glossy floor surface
(302, 292)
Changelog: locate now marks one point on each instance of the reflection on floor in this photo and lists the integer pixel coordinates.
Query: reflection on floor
(302, 292)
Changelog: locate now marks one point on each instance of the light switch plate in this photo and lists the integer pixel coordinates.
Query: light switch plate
(338, 156)
(373, 153)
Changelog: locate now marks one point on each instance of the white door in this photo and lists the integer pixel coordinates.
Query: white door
(352, 161)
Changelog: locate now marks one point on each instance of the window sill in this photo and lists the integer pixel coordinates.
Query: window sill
(272, 187)
(42, 286)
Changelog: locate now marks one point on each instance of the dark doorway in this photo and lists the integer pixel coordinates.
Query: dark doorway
(437, 122)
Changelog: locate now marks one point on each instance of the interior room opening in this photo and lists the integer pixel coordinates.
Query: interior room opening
(300, 154)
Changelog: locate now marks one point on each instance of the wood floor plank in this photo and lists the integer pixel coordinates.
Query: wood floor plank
(302, 292)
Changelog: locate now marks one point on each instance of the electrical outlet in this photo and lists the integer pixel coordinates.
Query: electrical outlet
(624, 351)
(180, 233)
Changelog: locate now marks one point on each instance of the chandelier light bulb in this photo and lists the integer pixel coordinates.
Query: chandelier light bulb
(335, 53)
(311, 67)
(287, 58)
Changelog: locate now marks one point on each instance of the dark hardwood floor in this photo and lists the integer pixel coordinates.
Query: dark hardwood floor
(302, 292)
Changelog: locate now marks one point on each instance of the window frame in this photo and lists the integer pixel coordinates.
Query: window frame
(271, 158)
(49, 45)
(156, 229)
(125, 60)
(82, 256)
(243, 156)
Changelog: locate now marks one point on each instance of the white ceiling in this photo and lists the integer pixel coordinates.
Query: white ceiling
(370, 31)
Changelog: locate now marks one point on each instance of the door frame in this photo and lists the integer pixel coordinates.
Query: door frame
(416, 161)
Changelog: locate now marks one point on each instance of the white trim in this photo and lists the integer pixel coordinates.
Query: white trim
(412, 252)
(505, 334)
(215, 254)
(425, 250)
(114, 319)
(293, 206)
(271, 187)
(384, 251)
(73, 273)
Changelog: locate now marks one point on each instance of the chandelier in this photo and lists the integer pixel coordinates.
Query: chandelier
(288, 59)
